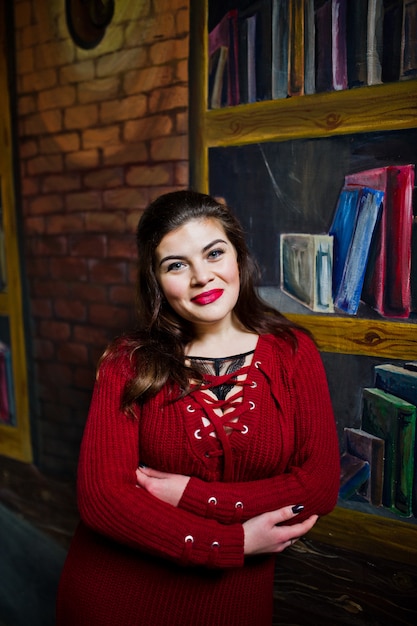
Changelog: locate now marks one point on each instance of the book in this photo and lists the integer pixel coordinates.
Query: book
(356, 36)
(306, 269)
(225, 35)
(309, 48)
(374, 38)
(247, 59)
(7, 403)
(393, 419)
(350, 288)
(331, 46)
(401, 382)
(371, 449)
(354, 473)
(296, 47)
(217, 78)
(341, 228)
(409, 41)
(392, 40)
(255, 59)
(280, 49)
(387, 281)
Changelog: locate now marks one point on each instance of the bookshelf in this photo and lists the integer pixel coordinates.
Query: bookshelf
(15, 440)
(377, 108)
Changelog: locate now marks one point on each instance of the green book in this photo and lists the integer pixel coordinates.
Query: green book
(394, 420)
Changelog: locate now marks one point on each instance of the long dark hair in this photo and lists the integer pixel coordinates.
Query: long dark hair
(157, 348)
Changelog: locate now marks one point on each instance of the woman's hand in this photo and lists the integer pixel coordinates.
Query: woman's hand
(267, 533)
(163, 485)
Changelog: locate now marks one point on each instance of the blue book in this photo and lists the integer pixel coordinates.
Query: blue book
(341, 229)
(350, 288)
(354, 473)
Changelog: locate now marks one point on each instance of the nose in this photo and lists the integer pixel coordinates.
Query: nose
(201, 274)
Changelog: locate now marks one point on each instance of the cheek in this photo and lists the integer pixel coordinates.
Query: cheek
(172, 289)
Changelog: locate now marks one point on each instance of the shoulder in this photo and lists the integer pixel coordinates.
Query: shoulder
(298, 343)
(118, 358)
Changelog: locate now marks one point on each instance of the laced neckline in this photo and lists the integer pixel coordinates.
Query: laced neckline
(220, 366)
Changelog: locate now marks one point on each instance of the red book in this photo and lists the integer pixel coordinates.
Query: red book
(387, 283)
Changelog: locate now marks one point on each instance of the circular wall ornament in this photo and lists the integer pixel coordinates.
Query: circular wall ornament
(87, 20)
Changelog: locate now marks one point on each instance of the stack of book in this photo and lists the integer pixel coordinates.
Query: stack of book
(380, 462)
(279, 48)
(365, 256)
(7, 406)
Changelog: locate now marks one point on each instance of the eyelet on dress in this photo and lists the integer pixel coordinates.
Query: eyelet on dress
(197, 433)
(239, 505)
(254, 384)
(189, 539)
(257, 364)
(215, 544)
(244, 430)
(212, 500)
(190, 409)
(252, 405)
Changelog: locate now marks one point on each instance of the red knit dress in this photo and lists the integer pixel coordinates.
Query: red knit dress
(136, 560)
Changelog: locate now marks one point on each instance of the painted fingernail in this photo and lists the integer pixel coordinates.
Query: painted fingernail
(142, 466)
(298, 508)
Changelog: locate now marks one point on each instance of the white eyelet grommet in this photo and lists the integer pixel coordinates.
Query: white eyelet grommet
(244, 430)
(212, 500)
(190, 409)
(197, 433)
(257, 364)
(189, 539)
(239, 505)
(254, 384)
(215, 544)
(252, 405)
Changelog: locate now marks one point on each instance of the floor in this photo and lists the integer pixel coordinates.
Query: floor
(315, 585)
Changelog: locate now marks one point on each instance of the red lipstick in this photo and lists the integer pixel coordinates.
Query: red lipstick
(208, 296)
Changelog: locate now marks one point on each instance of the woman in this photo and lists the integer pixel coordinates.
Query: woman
(210, 443)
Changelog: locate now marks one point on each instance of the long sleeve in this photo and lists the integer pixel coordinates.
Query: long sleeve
(111, 504)
(312, 475)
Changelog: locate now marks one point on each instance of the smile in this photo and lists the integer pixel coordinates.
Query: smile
(208, 297)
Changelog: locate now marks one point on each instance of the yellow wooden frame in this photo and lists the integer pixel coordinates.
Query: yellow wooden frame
(381, 107)
(15, 441)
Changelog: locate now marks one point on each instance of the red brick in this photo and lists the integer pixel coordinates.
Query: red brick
(44, 205)
(90, 334)
(83, 201)
(182, 173)
(82, 116)
(125, 198)
(54, 375)
(77, 72)
(150, 175)
(87, 292)
(59, 97)
(29, 186)
(123, 295)
(128, 153)
(25, 61)
(122, 247)
(98, 137)
(170, 98)
(170, 149)
(48, 164)
(181, 123)
(66, 182)
(148, 128)
(107, 272)
(41, 307)
(34, 226)
(41, 79)
(69, 269)
(126, 109)
(75, 353)
(55, 331)
(111, 317)
(168, 51)
(144, 79)
(41, 287)
(98, 90)
(63, 142)
(26, 105)
(104, 178)
(50, 246)
(28, 149)
(64, 224)
(88, 246)
(70, 310)
(81, 160)
(22, 14)
(182, 21)
(132, 11)
(48, 122)
(53, 54)
(38, 268)
(43, 349)
(121, 61)
(132, 220)
(84, 377)
(103, 222)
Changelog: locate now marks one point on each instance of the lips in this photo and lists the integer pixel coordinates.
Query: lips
(208, 296)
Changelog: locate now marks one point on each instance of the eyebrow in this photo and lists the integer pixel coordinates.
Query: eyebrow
(180, 257)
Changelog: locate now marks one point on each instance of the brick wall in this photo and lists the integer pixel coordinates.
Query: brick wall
(101, 132)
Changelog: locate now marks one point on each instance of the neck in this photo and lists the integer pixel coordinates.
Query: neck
(222, 341)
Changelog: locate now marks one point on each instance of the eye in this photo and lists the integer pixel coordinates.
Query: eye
(174, 267)
(216, 253)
